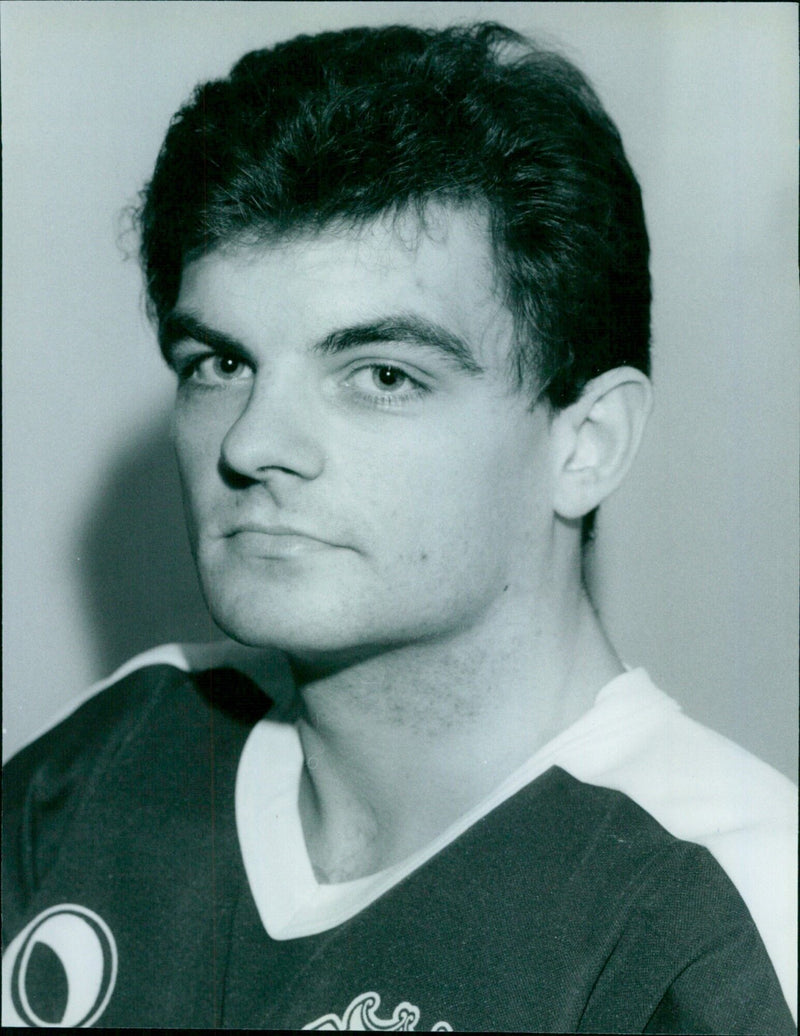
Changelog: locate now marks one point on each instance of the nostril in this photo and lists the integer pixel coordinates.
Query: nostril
(232, 478)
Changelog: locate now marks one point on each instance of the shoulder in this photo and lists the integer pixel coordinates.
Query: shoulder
(677, 928)
(702, 788)
(156, 712)
(266, 669)
(581, 881)
(164, 680)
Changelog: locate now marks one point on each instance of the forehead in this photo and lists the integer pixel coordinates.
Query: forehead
(441, 269)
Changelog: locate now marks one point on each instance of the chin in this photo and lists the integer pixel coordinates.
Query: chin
(301, 629)
(319, 634)
(335, 619)
(313, 650)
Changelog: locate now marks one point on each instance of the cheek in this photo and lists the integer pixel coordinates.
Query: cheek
(442, 503)
(197, 451)
(197, 435)
(488, 503)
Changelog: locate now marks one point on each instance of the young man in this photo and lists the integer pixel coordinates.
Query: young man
(402, 279)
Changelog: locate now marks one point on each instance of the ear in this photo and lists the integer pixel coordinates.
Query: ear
(596, 439)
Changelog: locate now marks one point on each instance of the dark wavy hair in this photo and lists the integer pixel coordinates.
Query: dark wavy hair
(352, 124)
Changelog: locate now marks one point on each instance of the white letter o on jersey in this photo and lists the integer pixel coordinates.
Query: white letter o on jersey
(83, 943)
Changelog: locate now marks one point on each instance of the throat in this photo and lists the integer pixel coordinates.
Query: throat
(342, 850)
(391, 763)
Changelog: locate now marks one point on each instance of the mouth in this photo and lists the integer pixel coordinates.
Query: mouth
(274, 541)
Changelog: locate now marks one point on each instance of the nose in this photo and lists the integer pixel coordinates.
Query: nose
(277, 431)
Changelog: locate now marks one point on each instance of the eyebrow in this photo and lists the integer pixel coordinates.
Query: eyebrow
(407, 329)
(181, 327)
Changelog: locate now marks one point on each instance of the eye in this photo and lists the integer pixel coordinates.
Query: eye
(214, 369)
(226, 367)
(383, 384)
(389, 379)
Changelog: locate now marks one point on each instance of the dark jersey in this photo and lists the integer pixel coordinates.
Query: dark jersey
(567, 908)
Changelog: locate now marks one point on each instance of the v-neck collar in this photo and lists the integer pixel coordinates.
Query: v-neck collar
(290, 900)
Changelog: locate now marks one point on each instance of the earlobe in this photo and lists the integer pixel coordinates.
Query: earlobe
(596, 439)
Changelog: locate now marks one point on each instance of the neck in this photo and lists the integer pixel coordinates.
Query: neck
(400, 745)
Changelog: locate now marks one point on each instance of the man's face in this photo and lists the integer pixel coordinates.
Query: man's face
(358, 471)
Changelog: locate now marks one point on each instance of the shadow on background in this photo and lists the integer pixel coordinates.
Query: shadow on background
(136, 571)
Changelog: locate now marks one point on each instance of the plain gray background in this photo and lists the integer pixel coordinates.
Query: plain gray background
(696, 567)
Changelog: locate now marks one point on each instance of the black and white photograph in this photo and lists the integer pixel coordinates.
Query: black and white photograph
(401, 406)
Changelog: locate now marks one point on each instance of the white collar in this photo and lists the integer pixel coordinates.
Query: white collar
(290, 900)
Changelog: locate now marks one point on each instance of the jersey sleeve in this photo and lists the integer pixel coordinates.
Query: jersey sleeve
(45, 784)
(692, 951)
(726, 990)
